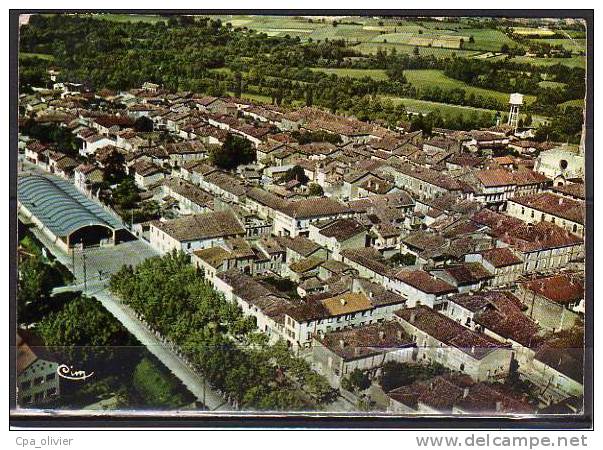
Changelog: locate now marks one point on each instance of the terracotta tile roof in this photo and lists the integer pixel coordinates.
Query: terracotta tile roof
(555, 205)
(343, 229)
(347, 303)
(468, 273)
(315, 207)
(449, 332)
(501, 257)
(564, 289)
(367, 257)
(145, 168)
(214, 256)
(202, 226)
(495, 177)
(572, 190)
(502, 313)
(425, 282)
(189, 191)
(299, 244)
(367, 340)
(305, 264)
(275, 305)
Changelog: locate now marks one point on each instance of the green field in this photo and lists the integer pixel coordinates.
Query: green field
(574, 61)
(372, 33)
(527, 31)
(425, 107)
(488, 40)
(131, 18)
(573, 45)
(577, 102)
(44, 56)
(551, 84)
(430, 78)
(376, 74)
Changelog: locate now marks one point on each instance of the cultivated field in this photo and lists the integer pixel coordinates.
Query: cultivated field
(376, 74)
(430, 78)
(527, 31)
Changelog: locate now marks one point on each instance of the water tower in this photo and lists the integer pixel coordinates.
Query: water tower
(516, 100)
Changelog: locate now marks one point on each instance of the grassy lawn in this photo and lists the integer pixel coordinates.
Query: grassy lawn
(430, 78)
(376, 74)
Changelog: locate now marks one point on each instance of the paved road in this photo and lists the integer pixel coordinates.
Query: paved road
(111, 259)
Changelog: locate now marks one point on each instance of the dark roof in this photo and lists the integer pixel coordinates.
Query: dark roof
(423, 281)
(367, 340)
(202, 226)
(343, 229)
(60, 206)
(449, 332)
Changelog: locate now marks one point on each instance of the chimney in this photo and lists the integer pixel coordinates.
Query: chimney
(498, 406)
(342, 301)
(371, 294)
(341, 343)
(465, 392)
(381, 335)
(413, 316)
(399, 334)
(473, 349)
(561, 200)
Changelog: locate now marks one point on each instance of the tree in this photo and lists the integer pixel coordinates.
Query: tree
(295, 173)
(315, 189)
(238, 84)
(36, 281)
(154, 386)
(126, 194)
(234, 152)
(309, 96)
(395, 374)
(357, 381)
(114, 170)
(143, 124)
(403, 259)
(84, 332)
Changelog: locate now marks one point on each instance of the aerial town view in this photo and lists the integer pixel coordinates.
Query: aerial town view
(335, 214)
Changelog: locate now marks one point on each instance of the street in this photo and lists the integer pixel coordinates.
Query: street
(109, 260)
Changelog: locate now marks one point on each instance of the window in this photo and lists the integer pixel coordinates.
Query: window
(50, 376)
(38, 380)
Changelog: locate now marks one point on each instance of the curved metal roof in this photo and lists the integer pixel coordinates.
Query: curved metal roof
(60, 206)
